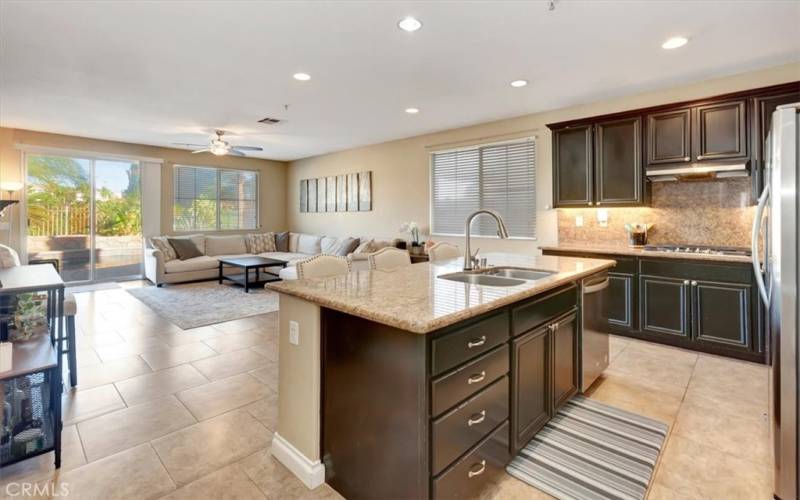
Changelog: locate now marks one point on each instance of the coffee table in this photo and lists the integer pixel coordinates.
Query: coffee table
(246, 264)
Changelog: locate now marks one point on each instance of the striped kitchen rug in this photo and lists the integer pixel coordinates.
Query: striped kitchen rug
(590, 450)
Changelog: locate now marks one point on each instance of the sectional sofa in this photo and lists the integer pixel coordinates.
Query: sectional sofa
(161, 264)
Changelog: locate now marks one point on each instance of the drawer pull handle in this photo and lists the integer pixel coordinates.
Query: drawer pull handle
(474, 379)
(477, 343)
(478, 471)
(477, 418)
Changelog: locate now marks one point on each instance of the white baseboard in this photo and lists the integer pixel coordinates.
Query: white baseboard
(312, 473)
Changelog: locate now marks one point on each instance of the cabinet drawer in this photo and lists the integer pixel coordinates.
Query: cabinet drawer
(710, 271)
(470, 475)
(460, 384)
(454, 348)
(542, 309)
(459, 430)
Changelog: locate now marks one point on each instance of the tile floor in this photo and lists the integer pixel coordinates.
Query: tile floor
(162, 412)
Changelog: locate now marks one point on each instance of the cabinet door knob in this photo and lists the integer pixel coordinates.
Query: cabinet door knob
(694, 283)
(685, 282)
(477, 418)
(476, 342)
(686, 158)
(598, 203)
(474, 379)
(477, 472)
(590, 203)
(700, 157)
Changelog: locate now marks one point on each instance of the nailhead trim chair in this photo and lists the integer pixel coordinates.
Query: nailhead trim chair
(322, 266)
(443, 251)
(389, 258)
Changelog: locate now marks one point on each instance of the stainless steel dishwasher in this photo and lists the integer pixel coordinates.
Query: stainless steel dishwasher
(594, 337)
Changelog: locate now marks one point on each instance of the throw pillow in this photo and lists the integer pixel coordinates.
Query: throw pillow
(346, 246)
(161, 243)
(282, 241)
(364, 247)
(261, 243)
(184, 248)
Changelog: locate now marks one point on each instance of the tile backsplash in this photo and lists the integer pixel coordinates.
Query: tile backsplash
(716, 212)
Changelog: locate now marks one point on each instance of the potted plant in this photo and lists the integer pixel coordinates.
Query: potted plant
(412, 229)
(30, 316)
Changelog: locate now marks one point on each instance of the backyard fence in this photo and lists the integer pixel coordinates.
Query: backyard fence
(64, 221)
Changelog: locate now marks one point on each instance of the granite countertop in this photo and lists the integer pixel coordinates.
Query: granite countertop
(413, 298)
(641, 252)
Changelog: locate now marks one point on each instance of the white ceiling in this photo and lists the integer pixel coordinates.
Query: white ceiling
(172, 71)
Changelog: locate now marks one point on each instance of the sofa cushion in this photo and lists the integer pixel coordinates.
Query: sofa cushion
(309, 244)
(282, 242)
(289, 273)
(201, 263)
(293, 237)
(260, 242)
(225, 245)
(233, 256)
(160, 243)
(290, 257)
(184, 248)
(327, 245)
(364, 246)
(344, 246)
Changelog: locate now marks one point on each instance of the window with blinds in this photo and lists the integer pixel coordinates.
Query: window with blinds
(500, 177)
(214, 199)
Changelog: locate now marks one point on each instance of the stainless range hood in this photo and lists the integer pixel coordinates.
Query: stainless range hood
(697, 172)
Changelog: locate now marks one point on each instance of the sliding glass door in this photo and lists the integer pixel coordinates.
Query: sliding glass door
(86, 213)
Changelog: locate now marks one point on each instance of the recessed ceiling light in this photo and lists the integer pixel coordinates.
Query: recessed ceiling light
(409, 24)
(519, 83)
(303, 77)
(675, 42)
(412, 111)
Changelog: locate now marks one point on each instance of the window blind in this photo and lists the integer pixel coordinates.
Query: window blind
(500, 177)
(211, 199)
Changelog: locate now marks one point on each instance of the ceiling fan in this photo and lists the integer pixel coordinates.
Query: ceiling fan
(220, 147)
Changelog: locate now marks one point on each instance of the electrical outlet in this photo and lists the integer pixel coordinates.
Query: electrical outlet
(602, 217)
(294, 333)
(579, 221)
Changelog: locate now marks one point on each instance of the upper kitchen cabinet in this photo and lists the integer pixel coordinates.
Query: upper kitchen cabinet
(618, 162)
(763, 107)
(572, 166)
(720, 131)
(669, 137)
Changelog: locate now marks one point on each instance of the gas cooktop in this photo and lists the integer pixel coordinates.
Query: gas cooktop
(703, 249)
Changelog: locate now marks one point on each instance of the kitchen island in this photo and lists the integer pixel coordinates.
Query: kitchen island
(405, 384)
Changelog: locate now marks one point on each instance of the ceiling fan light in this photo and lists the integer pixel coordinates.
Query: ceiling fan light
(219, 151)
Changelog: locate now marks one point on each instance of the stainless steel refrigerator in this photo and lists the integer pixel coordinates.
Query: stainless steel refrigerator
(776, 220)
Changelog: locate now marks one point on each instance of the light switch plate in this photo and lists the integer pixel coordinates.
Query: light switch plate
(294, 333)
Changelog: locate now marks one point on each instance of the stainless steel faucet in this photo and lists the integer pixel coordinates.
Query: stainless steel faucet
(470, 260)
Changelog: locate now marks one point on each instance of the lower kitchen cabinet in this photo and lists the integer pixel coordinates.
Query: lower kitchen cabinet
(565, 359)
(664, 306)
(619, 300)
(531, 401)
(721, 313)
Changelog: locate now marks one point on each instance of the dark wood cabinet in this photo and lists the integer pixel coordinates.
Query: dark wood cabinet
(720, 131)
(618, 162)
(564, 332)
(618, 300)
(664, 306)
(721, 313)
(531, 398)
(572, 166)
(763, 107)
(669, 137)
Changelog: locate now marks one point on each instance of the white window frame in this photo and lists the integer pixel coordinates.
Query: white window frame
(175, 166)
(467, 148)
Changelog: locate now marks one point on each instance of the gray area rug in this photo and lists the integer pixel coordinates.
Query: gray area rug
(590, 450)
(199, 304)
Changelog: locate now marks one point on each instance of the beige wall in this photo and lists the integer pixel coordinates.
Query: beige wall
(401, 168)
(272, 178)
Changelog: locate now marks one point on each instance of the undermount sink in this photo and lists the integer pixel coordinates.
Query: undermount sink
(498, 276)
(524, 274)
(482, 279)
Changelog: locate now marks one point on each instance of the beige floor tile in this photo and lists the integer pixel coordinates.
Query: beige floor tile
(268, 375)
(660, 492)
(695, 471)
(113, 371)
(218, 397)
(98, 340)
(191, 336)
(159, 384)
(232, 363)
(228, 483)
(277, 482)
(615, 346)
(266, 410)
(507, 487)
(668, 367)
(234, 341)
(630, 395)
(173, 356)
(131, 347)
(746, 438)
(42, 467)
(237, 325)
(724, 402)
(81, 405)
(202, 448)
(123, 429)
(665, 352)
(135, 473)
(727, 377)
(87, 357)
(269, 350)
